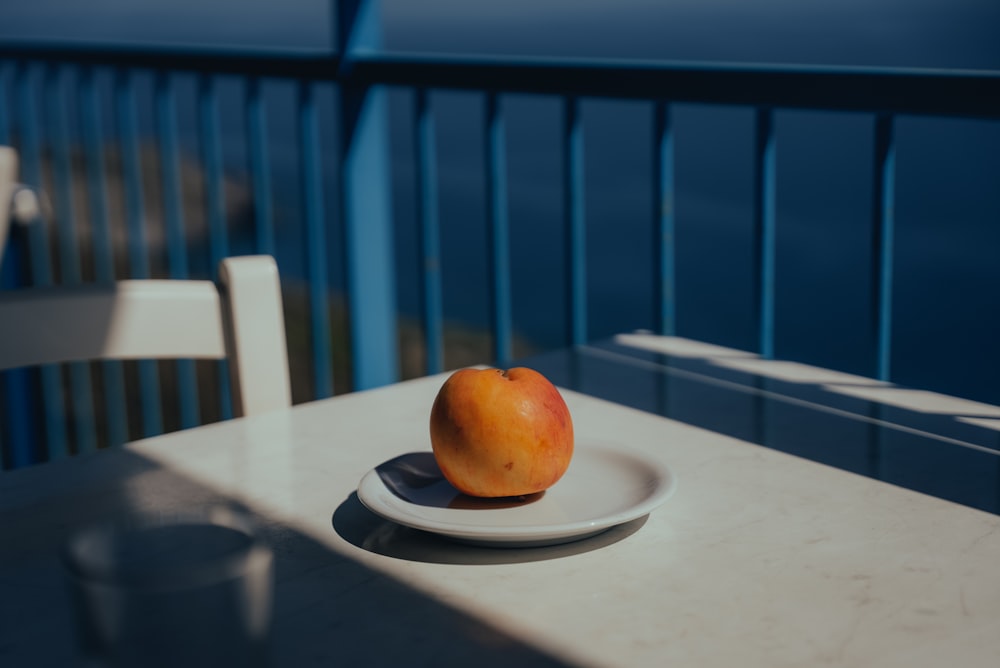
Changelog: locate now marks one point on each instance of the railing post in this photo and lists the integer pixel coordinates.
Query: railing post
(574, 187)
(430, 233)
(84, 425)
(765, 228)
(41, 271)
(316, 244)
(664, 219)
(173, 222)
(210, 140)
(495, 149)
(257, 148)
(101, 248)
(366, 204)
(883, 227)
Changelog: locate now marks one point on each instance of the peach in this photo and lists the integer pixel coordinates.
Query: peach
(501, 433)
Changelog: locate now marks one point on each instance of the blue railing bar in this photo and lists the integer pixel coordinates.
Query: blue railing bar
(65, 222)
(430, 233)
(7, 277)
(215, 205)
(260, 178)
(173, 222)
(316, 243)
(167, 145)
(765, 227)
(94, 146)
(574, 188)
(959, 92)
(112, 374)
(149, 383)
(366, 201)
(499, 226)
(53, 406)
(84, 426)
(664, 218)
(882, 247)
(211, 153)
(904, 90)
(4, 118)
(30, 153)
(132, 175)
(20, 425)
(366, 198)
(147, 55)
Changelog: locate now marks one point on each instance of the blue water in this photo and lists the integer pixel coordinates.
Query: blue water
(946, 299)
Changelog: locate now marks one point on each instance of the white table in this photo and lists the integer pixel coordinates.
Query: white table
(758, 559)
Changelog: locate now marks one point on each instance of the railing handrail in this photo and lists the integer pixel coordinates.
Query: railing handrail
(900, 90)
(918, 91)
(284, 63)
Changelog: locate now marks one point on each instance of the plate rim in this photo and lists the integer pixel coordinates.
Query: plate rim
(371, 483)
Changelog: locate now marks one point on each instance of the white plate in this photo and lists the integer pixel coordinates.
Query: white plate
(604, 486)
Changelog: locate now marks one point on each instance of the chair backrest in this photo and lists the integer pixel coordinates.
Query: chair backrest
(17, 201)
(241, 320)
(8, 182)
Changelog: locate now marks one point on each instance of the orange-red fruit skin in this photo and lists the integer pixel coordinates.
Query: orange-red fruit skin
(497, 433)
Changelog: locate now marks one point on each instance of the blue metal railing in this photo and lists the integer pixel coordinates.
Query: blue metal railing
(91, 76)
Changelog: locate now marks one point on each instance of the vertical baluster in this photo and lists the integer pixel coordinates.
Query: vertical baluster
(173, 214)
(7, 273)
(260, 179)
(4, 118)
(149, 381)
(112, 373)
(69, 253)
(316, 253)
(20, 423)
(429, 222)
(883, 229)
(764, 219)
(218, 244)
(574, 189)
(496, 198)
(765, 225)
(883, 232)
(31, 173)
(53, 408)
(664, 219)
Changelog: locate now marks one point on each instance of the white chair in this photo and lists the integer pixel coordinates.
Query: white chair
(17, 202)
(8, 179)
(240, 320)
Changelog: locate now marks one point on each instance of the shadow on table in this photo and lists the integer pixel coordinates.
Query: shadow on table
(329, 609)
(943, 446)
(363, 528)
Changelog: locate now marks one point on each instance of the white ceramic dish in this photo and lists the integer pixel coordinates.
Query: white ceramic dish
(605, 486)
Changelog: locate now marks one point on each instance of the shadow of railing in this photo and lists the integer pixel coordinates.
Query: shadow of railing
(915, 439)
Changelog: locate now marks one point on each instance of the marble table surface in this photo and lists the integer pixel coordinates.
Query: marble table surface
(760, 557)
